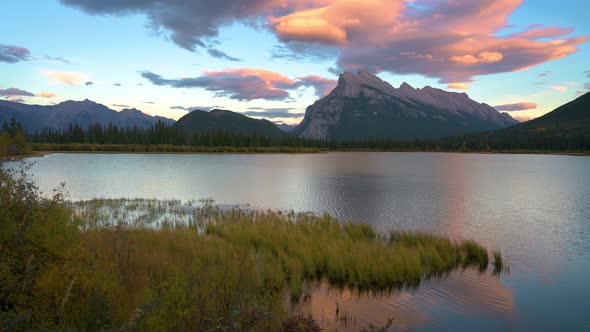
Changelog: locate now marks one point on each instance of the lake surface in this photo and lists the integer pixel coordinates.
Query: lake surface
(534, 208)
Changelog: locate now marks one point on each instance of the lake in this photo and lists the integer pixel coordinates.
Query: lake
(534, 208)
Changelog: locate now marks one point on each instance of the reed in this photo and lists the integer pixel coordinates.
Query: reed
(192, 265)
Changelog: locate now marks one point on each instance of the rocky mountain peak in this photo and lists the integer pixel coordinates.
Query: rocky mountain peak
(406, 87)
(351, 85)
(131, 111)
(387, 112)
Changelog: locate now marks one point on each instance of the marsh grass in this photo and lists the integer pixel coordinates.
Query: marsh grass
(170, 265)
(305, 247)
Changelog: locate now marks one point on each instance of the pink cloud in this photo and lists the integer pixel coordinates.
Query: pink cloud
(46, 95)
(322, 85)
(516, 107)
(453, 41)
(484, 57)
(539, 33)
(560, 88)
(66, 77)
(458, 86)
(244, 83)
(337, 22)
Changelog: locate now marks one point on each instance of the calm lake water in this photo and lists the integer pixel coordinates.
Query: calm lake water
(535, 209)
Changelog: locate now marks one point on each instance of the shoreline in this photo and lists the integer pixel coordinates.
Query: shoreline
(45, 149)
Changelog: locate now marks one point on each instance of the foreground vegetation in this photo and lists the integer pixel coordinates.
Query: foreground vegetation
(190, 266)
(12, 140)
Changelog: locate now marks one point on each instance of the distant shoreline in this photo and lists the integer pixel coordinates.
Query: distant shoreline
(42, 149)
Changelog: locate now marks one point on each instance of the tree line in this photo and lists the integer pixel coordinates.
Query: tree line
(170, 134)
(12, 139)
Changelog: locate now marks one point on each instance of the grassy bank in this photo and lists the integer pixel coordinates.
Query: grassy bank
(177, 266)
(167, 148)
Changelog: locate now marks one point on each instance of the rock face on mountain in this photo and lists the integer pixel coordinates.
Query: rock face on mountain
(202, 122)
(83, 113)
(362, 106)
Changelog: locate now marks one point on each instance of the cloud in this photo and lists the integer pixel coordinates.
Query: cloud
(273, 113)
(57, 58)
(545, 73)
(46, 95)
(516, 107)
(66, 77)
(195, 108)
(587, 72)
(458, 86)
(540, 33)
(89, 83)
(242, 83)
(13, 92)
(16, 100)
(117, 84)
(189, 24)
(321, 85)
(220, 55)
(587, 86)
(121, 105)
(453, 41)
(301, 51)
(468, 59)
(13, 54)
(560, 88)
(149, 102)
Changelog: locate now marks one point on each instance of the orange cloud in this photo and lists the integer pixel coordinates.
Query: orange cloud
(560, 88)
(485, 57)
(458, 86)
(338, 22)
(46, 95)
(453, 40)
(66, 77)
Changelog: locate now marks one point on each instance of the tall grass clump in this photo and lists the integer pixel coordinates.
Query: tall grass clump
(178, 266)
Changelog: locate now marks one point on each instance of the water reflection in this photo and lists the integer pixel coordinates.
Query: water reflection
(463, 293)
(534, 208)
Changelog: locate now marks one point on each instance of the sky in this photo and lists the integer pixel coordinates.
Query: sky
(273, 58)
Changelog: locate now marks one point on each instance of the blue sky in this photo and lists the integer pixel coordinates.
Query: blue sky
(113, 45)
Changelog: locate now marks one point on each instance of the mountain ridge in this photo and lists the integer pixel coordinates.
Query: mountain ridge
(219, 119)
(363, 106)
(83, 113)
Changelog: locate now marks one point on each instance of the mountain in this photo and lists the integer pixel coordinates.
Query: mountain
(82, 113)
(363, 106)
(572, 118)
(567, 128)
(201, 121)
(285, 127)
